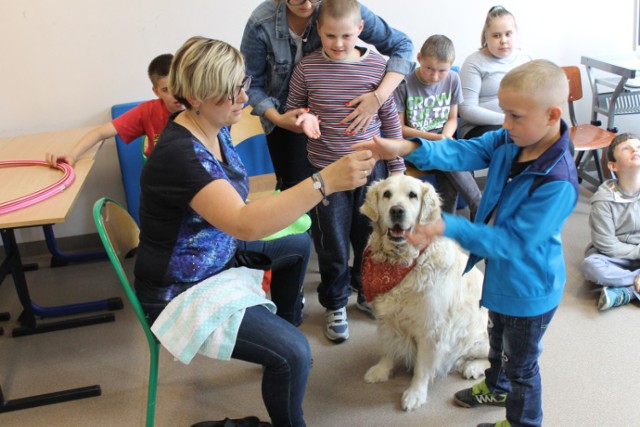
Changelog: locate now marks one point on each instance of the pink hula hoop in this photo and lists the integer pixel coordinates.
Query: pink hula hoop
(39, 195)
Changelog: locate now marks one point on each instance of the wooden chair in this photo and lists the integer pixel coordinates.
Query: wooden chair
(119, 234)
(587, 139)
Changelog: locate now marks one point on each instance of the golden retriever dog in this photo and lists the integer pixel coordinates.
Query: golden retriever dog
(427, 311)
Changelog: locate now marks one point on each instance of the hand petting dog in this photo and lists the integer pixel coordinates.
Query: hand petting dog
(423, 234)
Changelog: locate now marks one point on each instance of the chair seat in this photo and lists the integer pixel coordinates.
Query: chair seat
(588, 137)
(415, 172)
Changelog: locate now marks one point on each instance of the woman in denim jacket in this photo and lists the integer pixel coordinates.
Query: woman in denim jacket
(277, 35)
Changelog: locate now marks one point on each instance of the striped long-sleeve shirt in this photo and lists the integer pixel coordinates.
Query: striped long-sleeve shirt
(325, 87)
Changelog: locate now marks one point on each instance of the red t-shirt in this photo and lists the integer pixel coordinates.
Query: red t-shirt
(149, 118)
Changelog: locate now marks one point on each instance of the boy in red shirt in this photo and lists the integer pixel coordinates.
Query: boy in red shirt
(147, 119)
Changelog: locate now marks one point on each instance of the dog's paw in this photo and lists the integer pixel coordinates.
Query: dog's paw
(377, 374)
(474, 369)
(413, 398)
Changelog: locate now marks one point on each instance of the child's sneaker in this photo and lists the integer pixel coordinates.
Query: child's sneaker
(337, 328)
(479, 395)
(613, 297)
(503, 423)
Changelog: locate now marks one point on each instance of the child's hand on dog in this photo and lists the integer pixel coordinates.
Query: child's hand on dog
(423, 234)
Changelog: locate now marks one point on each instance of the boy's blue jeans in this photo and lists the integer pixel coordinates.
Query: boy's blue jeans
(337, 227)
(515, 346)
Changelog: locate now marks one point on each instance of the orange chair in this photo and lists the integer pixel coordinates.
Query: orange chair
(587, 138)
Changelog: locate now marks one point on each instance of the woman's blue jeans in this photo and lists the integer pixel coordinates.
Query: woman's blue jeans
(284, 352)
(515, 346)
(289, 257)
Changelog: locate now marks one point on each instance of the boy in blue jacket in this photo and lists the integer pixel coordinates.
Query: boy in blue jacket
(531, 189)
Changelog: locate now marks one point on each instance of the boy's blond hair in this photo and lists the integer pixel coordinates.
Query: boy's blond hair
(542, 80)
(339, 9)
(439, 47)
(204, 69)
(619, 139)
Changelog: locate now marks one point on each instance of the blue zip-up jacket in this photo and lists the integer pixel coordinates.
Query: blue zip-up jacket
(525, 271)
(269, 52)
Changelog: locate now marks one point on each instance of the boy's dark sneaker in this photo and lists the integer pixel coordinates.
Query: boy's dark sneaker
(479, 395)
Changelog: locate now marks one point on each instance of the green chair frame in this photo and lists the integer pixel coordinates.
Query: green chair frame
(120, 236)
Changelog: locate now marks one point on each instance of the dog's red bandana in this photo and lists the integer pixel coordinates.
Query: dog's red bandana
(380, 277)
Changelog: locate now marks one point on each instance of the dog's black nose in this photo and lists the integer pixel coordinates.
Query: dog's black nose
(397, 213)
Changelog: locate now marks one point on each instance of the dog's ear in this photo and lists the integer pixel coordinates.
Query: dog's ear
(430, 206)
(370, 206)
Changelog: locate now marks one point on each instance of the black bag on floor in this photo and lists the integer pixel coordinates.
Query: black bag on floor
(240, 422)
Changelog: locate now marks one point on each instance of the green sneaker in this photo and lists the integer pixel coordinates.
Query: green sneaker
(479, 395)
(503, 423)
(613, 297)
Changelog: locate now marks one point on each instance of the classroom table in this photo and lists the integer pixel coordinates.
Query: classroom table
(18, 181)
(619, 92)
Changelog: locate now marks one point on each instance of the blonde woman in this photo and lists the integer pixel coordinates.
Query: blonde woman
(193, 219)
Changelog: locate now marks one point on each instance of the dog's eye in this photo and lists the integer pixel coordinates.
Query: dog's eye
(386, 194)
(413, 195)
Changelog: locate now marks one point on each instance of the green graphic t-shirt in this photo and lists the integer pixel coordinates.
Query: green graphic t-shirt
(427, 106)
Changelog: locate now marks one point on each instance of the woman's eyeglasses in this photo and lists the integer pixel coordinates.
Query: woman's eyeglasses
(244, 85)
(301, 2)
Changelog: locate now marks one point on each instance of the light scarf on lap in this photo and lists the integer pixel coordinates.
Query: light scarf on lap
(205, 318)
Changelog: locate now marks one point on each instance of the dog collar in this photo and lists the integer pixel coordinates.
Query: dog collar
(380, 277)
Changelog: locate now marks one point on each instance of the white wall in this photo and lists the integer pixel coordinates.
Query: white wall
(64, 63)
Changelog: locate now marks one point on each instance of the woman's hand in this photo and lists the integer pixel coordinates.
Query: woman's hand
(350, 172)
(366, 106)
(310, 124)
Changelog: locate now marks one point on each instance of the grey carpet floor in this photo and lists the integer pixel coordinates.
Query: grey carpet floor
(588, 365)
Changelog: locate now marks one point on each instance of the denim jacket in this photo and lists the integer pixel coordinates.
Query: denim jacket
(269, 52)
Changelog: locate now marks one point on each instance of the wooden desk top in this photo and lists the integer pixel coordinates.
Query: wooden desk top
(19, 181)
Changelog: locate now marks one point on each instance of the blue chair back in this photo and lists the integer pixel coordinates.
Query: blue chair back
(131, 162)
(251, 144)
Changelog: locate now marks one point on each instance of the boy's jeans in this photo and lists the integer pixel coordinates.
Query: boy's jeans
(450, 184)
(336, 227)
(515, 345)
(606, 271)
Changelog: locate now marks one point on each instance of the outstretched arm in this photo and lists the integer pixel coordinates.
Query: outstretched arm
(385, 148)
(255, 220)
(87, 141)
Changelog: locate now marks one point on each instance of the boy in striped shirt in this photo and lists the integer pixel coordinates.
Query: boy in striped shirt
(324, 82)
